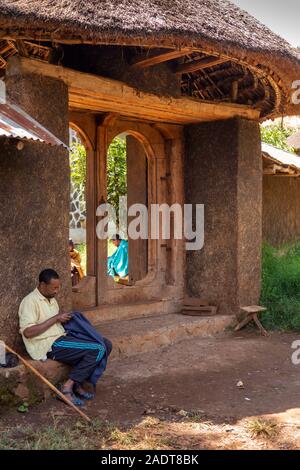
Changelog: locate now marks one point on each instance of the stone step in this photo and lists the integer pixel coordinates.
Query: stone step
(108, 312)
(129, 338)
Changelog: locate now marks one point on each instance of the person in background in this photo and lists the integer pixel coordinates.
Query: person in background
(76, 269)
(117, 264)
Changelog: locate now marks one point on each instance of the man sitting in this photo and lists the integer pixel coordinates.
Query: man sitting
(41, 327)
(117, 264)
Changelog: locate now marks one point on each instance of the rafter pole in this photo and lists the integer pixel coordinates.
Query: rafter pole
(155, 59)
(199, 65)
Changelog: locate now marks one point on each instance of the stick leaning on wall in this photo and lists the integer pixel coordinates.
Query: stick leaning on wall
(38, 374)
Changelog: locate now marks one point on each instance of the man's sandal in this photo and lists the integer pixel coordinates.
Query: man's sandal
(85, 395)
(70, 395)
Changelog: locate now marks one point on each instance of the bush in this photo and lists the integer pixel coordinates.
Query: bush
(277, 135)
(281, 287)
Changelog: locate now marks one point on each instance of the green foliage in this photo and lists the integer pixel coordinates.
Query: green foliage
(116, 171)
(281, 287)
(277, 135)
(78, 165)
(23, 408)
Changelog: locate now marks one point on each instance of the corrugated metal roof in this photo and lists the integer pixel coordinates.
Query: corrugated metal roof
(281, 156)
(14, 122)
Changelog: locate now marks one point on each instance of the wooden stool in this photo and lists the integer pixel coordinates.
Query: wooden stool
(251, 314)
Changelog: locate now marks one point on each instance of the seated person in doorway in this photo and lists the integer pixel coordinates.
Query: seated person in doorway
(76, 269)
(66, 337)
(117, 263)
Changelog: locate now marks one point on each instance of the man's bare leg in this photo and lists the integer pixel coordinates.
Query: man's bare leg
(68, 386)
(80, 389)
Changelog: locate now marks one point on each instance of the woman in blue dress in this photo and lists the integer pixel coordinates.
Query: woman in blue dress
(117, 263)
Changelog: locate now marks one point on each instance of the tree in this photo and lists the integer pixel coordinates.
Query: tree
(116, 172)
(276, 135)
(116, 169)
(78, 165)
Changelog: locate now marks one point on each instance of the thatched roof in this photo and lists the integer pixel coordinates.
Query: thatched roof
(211, 26)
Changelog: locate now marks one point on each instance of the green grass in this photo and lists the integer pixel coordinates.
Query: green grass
(80, 436)
(281, 287)
(58, 437)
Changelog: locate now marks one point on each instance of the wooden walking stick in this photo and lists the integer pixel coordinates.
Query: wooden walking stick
(61, 395)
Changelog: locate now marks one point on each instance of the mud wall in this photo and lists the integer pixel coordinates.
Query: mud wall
(34, 195)
(281, 209)
(223, 172)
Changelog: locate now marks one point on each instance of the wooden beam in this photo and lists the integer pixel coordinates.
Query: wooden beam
(22, 48)
(38, 46)
(95, 93)
(2, 62)
(234, 90)
(155, 59)
(200, 64)
(9, 46)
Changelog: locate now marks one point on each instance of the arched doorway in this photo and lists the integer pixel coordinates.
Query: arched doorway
(147, 170)
(78, 208)
(127, 190)
(82, 222)
(145, 155)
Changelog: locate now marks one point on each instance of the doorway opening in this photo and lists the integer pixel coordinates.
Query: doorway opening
(78, 208)
(127, 180)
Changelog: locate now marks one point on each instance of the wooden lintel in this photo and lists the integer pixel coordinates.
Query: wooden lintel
(200, 64)
(99, 94)
(155, 59)
(108, 119)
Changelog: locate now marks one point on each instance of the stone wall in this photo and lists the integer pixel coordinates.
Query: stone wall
(77, 217)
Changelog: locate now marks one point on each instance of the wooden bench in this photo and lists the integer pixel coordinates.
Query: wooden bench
(252, 312)
(198, 307)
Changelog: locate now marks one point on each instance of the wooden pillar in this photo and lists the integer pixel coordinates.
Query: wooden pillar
(137, 194)
(101, 197)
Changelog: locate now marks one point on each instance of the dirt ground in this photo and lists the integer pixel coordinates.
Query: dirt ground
(184, 396)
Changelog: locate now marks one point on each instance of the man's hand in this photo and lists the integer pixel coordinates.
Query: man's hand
(36, 330)
(64, 317)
